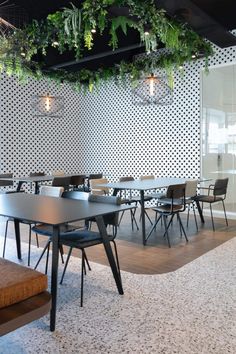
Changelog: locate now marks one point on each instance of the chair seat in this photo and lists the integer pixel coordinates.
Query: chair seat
(47, 230)
(137, 199)
(82, 239)
(208, 198)
(167, 208)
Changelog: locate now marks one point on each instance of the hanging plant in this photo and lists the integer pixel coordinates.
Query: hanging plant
(72, 29)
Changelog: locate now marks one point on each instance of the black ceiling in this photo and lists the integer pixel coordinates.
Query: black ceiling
(213, 19)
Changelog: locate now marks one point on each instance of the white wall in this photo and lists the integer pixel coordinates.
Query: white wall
(104, 131)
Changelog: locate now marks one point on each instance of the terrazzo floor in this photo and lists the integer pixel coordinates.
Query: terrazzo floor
(191, 310)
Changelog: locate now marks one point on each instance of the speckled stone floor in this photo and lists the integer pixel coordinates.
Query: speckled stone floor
(191, 310)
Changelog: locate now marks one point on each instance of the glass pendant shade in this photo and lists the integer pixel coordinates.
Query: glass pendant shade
(153, 90)
(50, 106)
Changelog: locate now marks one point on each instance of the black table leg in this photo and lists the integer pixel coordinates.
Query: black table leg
(143, 217)
(36, 190)
(19, 186)
(55, 250)
(109, 253)
(200, 211)
(17, 236)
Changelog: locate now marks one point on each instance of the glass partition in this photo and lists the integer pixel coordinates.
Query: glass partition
(219, 129)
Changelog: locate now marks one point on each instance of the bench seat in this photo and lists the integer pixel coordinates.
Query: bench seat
(23, 296)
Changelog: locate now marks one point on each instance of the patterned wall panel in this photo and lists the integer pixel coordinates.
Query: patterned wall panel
(104, 131)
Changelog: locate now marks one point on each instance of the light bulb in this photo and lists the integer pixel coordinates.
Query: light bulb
(151, 86)
(47, 104)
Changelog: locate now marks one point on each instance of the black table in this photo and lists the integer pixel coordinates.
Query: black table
(148, 184)
(56, 212)
(38, 179)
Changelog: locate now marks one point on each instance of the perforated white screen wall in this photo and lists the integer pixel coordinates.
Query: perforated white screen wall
(104, 131)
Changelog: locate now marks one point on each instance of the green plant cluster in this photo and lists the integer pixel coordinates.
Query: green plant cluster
(22, 53)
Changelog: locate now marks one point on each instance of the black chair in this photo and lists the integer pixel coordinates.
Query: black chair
(85, 238)
(172, 205)
(216, 193)
(129, 198)
(6, 183)
(63, 181)
(77, 183)
(92, 176)
(36, 174)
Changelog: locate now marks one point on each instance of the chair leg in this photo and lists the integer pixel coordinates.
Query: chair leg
(166, 229)
(153, 227)
(181, 225)
(5, 239)
(195, 217)
(66, 264)
(86, 260)
(29, 249)
(37, 240)
(61, 253)
(226, 220)
(148, 217)
(121, 217)
(188, 215)
(41, 256)
(134, 219)
(212, 221)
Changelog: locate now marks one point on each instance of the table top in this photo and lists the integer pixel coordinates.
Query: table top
(156, 183)
(40, 178)
(52, 210)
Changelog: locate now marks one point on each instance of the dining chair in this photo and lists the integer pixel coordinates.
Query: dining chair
(190, 197)
(215, 193)
(82, 239)
(96, 189)
(173, 204)
(78, 183)
(61, 181)
(36, 174)
(57, 173)
(91, 177)
(44, 190)
(128, 198)
(47, 230)
(6, 183)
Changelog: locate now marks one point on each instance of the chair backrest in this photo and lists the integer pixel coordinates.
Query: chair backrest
(51, 191)
(142, 178)
(77, 180)
(104, 199)
(95, 175)
(191, 188)
(57, 173)
(95, 189)
(126, 179)
(220, 187)
(6, 183)
(36, 174)
(76, 195)
(111, 218)
(61, 182)
(176, 191)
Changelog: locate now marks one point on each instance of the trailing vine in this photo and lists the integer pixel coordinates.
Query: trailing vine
(22, 53)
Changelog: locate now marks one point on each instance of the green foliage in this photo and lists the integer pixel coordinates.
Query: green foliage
(71, 28)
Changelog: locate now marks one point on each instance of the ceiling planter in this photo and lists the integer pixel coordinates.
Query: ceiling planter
(22, 53)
